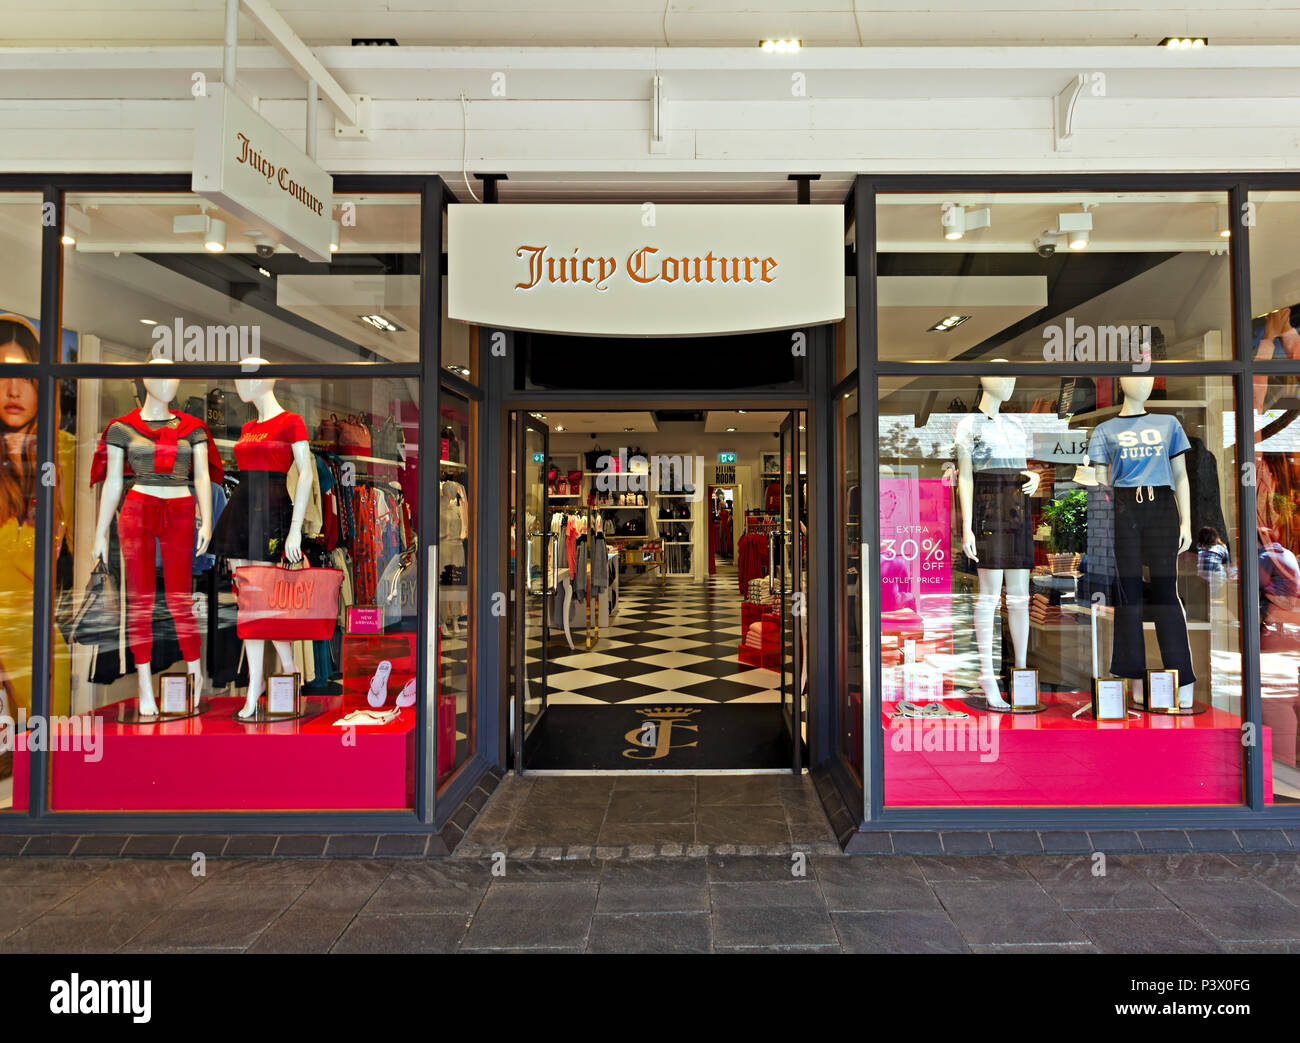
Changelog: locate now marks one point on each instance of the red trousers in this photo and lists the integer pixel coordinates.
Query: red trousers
(171, 522)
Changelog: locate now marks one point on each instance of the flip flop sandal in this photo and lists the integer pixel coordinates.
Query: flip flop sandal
(939, 711)
(379, 681)
(406, 697)
(908, 709)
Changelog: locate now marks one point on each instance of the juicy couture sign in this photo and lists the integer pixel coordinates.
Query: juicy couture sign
(249, 168)
(645, 271)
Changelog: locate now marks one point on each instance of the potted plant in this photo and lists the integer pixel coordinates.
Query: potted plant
(1067, 517)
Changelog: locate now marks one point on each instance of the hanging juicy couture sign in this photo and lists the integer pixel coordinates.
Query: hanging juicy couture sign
(250, 169)
(645, 270)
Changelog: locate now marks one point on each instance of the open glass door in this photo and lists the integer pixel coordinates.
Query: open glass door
(535, 577)
(788, 571)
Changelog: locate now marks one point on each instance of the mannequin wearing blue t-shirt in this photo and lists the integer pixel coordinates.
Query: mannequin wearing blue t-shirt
(994, 484)
(1139, 455)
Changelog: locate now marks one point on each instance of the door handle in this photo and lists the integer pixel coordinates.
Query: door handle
(771, 565)
(546, 590)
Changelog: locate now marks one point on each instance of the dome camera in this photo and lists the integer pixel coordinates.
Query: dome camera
(1045, 245)
(265, 248)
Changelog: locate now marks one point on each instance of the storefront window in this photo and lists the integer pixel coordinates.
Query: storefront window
(1275, 308)
(1041, 575)
(167, 275)
(1054, 278)
(246, 628)
(456, 557)
(20, 332)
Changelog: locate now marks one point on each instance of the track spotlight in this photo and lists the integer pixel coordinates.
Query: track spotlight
(955, 221)
(214, 239)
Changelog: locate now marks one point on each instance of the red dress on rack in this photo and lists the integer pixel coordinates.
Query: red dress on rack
(751, 559)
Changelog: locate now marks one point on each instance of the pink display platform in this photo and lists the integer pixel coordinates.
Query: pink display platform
(215, 763)
(1049, 758)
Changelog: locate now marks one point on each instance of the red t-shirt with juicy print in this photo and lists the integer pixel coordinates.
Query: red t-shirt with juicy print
(268, 446)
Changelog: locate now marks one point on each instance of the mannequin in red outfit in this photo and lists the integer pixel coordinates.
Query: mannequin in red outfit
(160, 509)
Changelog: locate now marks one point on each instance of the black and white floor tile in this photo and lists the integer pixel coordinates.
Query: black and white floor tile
(673, 642)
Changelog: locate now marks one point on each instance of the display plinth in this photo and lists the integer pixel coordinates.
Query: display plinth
(215, 763)
(1054, 759)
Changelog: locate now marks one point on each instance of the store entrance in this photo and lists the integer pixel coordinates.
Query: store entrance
(659, 567)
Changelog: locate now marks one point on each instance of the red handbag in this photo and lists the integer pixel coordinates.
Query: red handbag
(354, 437)
(286, 604)
(328, 432)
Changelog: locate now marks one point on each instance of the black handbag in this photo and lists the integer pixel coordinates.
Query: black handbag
(99, 617)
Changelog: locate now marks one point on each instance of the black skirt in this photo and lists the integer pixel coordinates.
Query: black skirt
(1000, 517)
(255, 522)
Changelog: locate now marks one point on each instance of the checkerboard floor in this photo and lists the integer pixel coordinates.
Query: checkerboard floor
(673, 642)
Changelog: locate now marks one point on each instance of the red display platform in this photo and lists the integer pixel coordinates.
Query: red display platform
(1050, 758)
(215, 763)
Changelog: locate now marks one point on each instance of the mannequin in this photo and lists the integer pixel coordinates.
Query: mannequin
(163, 449)
(1140, 456)
(994, 483)
(261, 522)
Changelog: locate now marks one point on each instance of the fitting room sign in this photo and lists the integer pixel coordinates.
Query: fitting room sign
(246, 166)
(643, 270)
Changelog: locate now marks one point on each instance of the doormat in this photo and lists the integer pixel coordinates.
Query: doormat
(659, 737)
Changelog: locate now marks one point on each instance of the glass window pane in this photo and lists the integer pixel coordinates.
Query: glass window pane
(1048, 277)
(170, 516)
(456, 556)
(1102, 545)
(849, 616)
(168, 275)
(20, 332)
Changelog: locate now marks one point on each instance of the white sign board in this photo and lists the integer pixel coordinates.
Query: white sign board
(645, 271)
(249, 168)
(1061, 447)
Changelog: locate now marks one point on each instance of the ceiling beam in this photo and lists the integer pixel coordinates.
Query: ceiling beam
(302, 58)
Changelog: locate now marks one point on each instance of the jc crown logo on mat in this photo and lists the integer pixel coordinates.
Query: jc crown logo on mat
(656, 733)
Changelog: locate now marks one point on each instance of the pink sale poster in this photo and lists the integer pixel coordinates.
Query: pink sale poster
(916, 545)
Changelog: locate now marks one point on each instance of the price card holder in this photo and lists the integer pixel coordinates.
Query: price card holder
(1024, 689)
(176, 694)
(282, 696)
(1110, 699)
(1162, 691)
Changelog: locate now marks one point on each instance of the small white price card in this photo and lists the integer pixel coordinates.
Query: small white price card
(175, 693)
(1024, 687)
(1162, 690)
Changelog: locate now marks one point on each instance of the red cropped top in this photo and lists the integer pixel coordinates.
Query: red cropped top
(268, 445)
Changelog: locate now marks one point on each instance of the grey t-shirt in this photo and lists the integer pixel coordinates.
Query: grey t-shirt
(140, 453)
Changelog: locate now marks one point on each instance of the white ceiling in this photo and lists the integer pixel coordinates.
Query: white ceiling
(601, 423)
(667, 23)
(718, 420)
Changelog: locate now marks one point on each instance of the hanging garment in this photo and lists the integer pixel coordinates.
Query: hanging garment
(751, 559)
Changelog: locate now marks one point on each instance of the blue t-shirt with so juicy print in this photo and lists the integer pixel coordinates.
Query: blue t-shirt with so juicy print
(1137, 449)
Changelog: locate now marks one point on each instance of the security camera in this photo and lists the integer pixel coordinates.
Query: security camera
(265, 248)
(1045, 245)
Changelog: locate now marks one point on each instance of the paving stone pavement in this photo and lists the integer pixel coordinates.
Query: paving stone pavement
(1178, 902)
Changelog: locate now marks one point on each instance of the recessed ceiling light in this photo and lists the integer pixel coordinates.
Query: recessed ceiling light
(742, 412)
(731, 429)
(380, 323)
(780, 46)
(150, 322)
(68, 240)
(559, 427)
(950, 322)
(263, 271)
(627, 429)
(1185, 43)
